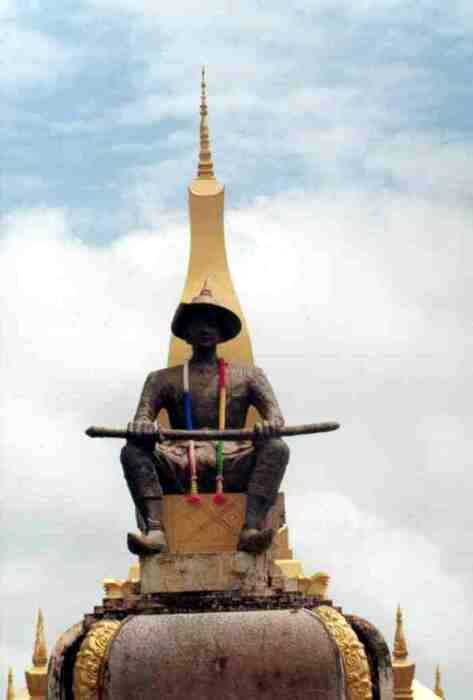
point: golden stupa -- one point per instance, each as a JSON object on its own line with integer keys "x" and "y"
{"x": 208, "y": 259}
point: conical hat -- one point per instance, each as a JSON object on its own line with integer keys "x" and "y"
{"x": 228, "y": 321}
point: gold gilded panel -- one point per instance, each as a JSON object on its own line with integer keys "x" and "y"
{"x": 90, "y": 660}
{"x": 355, "y": 662}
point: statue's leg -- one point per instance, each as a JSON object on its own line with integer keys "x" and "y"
{"x": 142, "y": 468}
{"x": 270, "y": 459}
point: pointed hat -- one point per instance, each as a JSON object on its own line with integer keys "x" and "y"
{"x": 228, "y": 321}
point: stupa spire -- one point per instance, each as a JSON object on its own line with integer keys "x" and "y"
{"x": 37, "y": 676}
{"x": 400, "y": 646}
{"x": 40, "y": 654}
{"x": 205, "y": 168}
{"x": 403, "y": 667}
{"x": 208, "y": 257}
{"x": 438, "y": 684}
{"x": 10, "y": 689}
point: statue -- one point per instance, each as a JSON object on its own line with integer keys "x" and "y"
{"x": 154, "y": 467}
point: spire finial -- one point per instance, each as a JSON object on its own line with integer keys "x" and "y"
{"x": 10, "y": 688}
{"x": 438, "y": 684}
{"x": 400, "y": 646}
{"x": 40, "y": 654}
{"x": 206, "y": 167}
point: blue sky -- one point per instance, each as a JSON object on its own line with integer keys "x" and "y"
{"x": 342, "y": 133}
{"x": 102, "y": 98}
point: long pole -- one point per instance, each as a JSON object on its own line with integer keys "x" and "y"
{"x": 227, "y": 434}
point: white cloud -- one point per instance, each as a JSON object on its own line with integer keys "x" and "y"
{"x": 426, "y": 163}
{"x": 383, "y": 566}
{"x": 33, "y": 57}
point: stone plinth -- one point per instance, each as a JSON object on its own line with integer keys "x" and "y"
{"x": 209, "y": 528}
{"x": 224, "y": 571}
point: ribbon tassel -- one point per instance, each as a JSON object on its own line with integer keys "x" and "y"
{"x": 219, "y": 497}
{"x": 193, "y": 496}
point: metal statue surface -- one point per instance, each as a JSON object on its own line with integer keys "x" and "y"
{"x": 154, "y": 466}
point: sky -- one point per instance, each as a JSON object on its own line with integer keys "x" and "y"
{"x": 342, "y": 133}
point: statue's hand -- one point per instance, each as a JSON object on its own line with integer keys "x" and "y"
{"x": 266, "y": 429}
{"x": 145, "y": 431}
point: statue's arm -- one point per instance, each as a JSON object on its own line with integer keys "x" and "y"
{"x": 263, "y": 398}
{"x": 151, "y": 399}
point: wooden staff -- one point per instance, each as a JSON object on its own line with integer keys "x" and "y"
{"x": 202, "y": 435}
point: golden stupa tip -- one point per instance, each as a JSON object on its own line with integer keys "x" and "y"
{"x": 400, "y": 646}
{"x": 438, "y": 684}
{"x": 10, "y": 688}
{"x": 40, "y": 654}
{"x": 205, "y": 168}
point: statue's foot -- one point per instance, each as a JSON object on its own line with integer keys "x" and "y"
{"x": 153, "y": 543}
{"x": 255, "y": 541}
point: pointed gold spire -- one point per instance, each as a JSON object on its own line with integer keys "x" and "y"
{"x": 10, "y": 689}
{"x": 438, "y": 684}
{"x": 400, "y": 646}
{"x": 206, "y": 167}
{"x": 37, "y": 676}
{"x": 208, "y": 257}
{"x": 403, "y": 667}
{"x": 40, "y": 654}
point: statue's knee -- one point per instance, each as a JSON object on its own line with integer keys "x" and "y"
{"x": 130, "y": 456}
{"x": 279, "y": 451}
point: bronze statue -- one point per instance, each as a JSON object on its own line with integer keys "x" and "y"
{"x": 153, "y": 469}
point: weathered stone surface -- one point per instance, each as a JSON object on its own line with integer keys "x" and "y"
{"x": 379, "y": 657}
{"x": 202, "y": 601}
{"x": 61, "y": 663}
{"x": 274, "y": 654}
{"x": 226, "y": 571}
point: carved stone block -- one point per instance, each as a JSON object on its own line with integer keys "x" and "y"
{"x": 225, "y": 571}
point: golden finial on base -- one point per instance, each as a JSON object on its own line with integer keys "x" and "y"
{"x": 40, "y": 654}
{"x": 438, "y": 684}
{"x": 400, "y": 646}
{"x": 37, "y": 677}
{"x": 10, "y": 689}
{"x": 403, "y": 667}
{"x": 205, "y": 168}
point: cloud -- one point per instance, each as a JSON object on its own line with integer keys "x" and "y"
{"x": 380, "y": 566}
{"x": 344, "y": 323}
{"x": 32, "y": 56}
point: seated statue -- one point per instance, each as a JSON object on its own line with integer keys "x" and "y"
{"x": 153, "y": 469}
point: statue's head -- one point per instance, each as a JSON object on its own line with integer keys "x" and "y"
{"x": 204, "y": 321}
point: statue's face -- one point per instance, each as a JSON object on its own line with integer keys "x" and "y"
{"x": 204, "y": 329}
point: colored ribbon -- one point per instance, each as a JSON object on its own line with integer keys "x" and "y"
{"x": 219, "y": 498}
{"x": 193, "y": 497}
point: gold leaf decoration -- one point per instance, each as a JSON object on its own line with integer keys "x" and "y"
{"x": 355, "y": 662}
{"x": 90, "y": 659}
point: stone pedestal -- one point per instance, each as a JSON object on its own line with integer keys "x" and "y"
{"x": 224, "y": 571}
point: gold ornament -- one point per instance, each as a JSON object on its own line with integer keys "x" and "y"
{"x": 400, "y": 646}
{"x": 403, "y": 667}
{"x": 91, "y": 658}
{"x": 357, "y": 670}
{"x": 438, "y": 684}
{"x": 37, "y": 676}
{"x": 10, "y": 688}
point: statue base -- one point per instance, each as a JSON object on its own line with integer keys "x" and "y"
{"x": 225, "y": 571}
